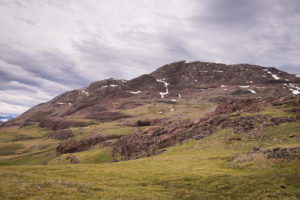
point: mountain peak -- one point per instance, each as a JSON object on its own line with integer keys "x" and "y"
{"x": 216, "y": 73}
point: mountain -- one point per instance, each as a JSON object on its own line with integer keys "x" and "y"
{"x": 200, "y": 81}
{"x": 5, "y": 118}
{"x": 193, "y": 130}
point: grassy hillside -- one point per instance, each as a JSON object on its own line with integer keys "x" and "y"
{"x": 223, "y": 165}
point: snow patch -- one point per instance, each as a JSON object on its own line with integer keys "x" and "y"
{"x": 69, "y": 104}
{"x": 293, "y": 88}
{"x": 223, "y": 86}
{"x": 137, "y": 92}
{"x": 298, "y": 75}
{"x": 244, "y": 86}
{"x": 85, "y": 92}
{"x": 162, "y": 94}
{"x": 60, "y": 103}
{"x": 179, "y": 96}
{"x": 252, "y": 91}
{"x": 4, "y": 120}
{"x": 106, "y": 86}
{"x": 174, "y": 100}
{"x": 273, "y": 75}
{"x": 218, "y": 71}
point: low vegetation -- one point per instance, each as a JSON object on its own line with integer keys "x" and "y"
{"x": 223, "y": 165}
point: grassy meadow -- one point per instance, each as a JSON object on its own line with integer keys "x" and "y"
{"x": 195, "y": 169}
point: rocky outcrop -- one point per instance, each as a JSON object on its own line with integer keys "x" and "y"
{"x": 276, "y": 153}
{"x": 282, "y": 153}
{"x": 153, "y": 140}
{"x": 61, "y": 134}
{"x": 72, "y": 146}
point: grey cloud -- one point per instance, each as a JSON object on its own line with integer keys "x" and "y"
{"x": 26, "y": 21}
{"x": 291, "y": 69}
{"x": 109, "y": 61}
{"x": 90, "y": 42}
{"x": 53, "y": 66}
{"x": 232, "y": 13}
{"x": 14, "y": 85}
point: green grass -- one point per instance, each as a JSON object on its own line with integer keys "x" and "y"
{"x": 160, "y": 110}
{"x": 9, "y": 149}
{"x": 108, "y": 128}
{"x": 12, "y": 134}
{"x": 95, "y": 156}
{"x": 192, "y": 170}
{"x": 195, "y": 169}
{"x": 188, "y": 171}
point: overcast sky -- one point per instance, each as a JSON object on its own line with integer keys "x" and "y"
{"x": 51, "y": 46}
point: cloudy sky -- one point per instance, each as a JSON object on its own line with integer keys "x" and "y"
{"x": 51, "y": 46}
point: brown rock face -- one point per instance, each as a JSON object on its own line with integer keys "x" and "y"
{"x": 153, "y": 140}
{"x": 61, "y": 134}
{"x": 102, "y": 100}
{"x": 73, "y": 146}
{"x": 185, "y": 74}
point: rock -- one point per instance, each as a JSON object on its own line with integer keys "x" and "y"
{"x": 235, "y": 138}
{"x": 283, "y": 153}
{"x": 276, "y": 149}
{"x": 291, "y": 136}
{"x": 74, "y": 160}
{"x": 143, "y": 123}
{"x": 255, "y": 149}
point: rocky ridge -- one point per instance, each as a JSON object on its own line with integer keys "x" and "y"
{"x": 170, "y": 82}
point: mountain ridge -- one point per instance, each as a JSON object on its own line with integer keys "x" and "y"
{"x": 171, "y": 81}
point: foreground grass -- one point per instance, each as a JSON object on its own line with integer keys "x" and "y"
{"x": 192, "y": 170}
{"x": 202, "y": 169}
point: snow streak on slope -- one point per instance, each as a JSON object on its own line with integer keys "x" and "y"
{"x": 252, "y": 91}
{"x": 137, "y": 92}
{"x": 162, "y": 94}
{"x": 293, "y": 88}
{"x": 273, "y": 75}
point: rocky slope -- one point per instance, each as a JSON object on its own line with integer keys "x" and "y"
{"x": 102, "y": 100}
